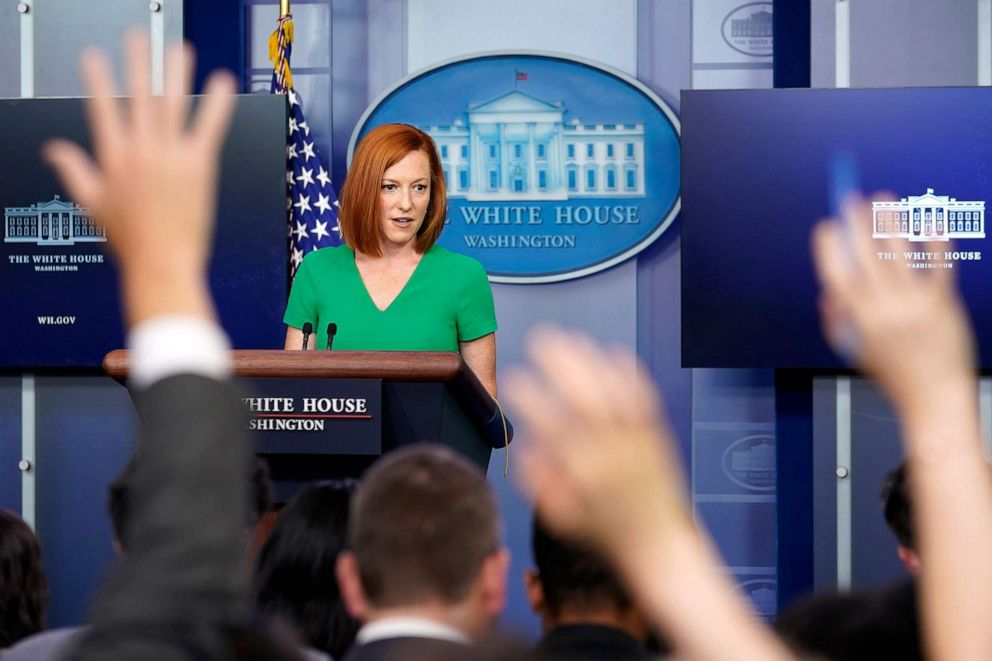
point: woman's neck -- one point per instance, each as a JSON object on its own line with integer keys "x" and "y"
{"x": 393, "y": 254}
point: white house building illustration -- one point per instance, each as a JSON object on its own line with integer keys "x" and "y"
{"x": 760, "y": 457}
{"x": 758, "y": 24}
{"x": 519, "y": 147}
{"x": 763, "y": 596}
{"x": 928, "y": 217}
{"x": 56, "y": 222}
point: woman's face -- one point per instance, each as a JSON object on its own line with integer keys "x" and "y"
{"x": 404, "y": 196}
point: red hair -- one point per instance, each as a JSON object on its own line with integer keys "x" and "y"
{"x": 380, "y": 149}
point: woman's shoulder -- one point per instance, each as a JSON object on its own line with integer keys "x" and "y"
{"x": 327, "y": 258}
{"x": 454, "y": 262}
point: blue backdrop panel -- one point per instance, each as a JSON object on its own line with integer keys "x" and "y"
{"x": 761, "y": 589}
{"x": 876, "y": 448}
{"x": 740, "y": 530}
{"x": 57, "y": 286}
{"x": 792, "y": 33}
{"x": 85, "y": 432}
{"x": 756, "y": 167}
{"x": 735, "y": 460}
{"x": 796, "y": 508}
{"x": 10, "y": 442}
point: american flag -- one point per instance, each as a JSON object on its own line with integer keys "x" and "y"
{"x": 311, "y": 201}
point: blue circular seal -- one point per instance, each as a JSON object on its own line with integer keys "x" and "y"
{"x": 555, "y": 167}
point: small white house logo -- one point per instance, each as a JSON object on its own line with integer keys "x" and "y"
{"x": 57, "y": 222}
{"x": 749, "y": 462}
{"x": 519, "y": 147}
{"x": 763, "y": 594}
{"x": 928, "y": 217}
{"x": 748, "y": 29}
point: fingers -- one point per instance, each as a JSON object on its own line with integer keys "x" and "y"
{"x": 843, "y": 285}
{"x": 834, "y": 270}
{"x": 940, "y": 277}
{"x": 591, "y": 382}
{"x": 629, "y": 378}
{"x": 576, "y": 382}
{"x": 214, "y": 114}
{"x": 537, "y": 472}
{"x": 845, "y": 252}
{"x": 77, "y": 171}
{"x": 566, "y": 362}
{"x": 855, "y": 215}
{"x": 105, "y": 114}
{"x": 138, "y": 68}
{"x": 539, "y": 469}
{"x": 555, "y": 501}
{"x": 102, "y": 109}
{"x": 860, "y": 248}
{"x": 538, "y": 406}
{"x": 179, "y": 66}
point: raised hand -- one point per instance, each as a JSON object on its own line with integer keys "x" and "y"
{"x": 599, "y": 459}
{"x": 152, "y": 180}
{"x": 914, "y": 337}
{"x": 911, "y": 330}
{"x": 600, "y": 464}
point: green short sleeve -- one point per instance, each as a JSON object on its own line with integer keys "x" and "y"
{"x": 302, "y": 305}
{"x": 476, "y": 311}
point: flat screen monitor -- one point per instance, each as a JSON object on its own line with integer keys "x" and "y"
{"x": 58, "y": 287}
{"x": 757, "y": 172}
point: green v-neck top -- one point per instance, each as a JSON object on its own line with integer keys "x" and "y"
{"x": 447, "y": 300}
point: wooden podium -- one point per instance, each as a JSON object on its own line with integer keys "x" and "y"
{"x": 336, "y": 411}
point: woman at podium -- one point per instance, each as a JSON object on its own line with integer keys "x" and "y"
{"x": 390, "y": 287}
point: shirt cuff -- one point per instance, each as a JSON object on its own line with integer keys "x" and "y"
{"x": 170, "y": 345}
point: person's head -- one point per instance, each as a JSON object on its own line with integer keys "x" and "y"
{"x": 119, "y": 500}
{"x": 573, "y": 584}
{"x": 23, "y": 586}
{"x": 898, "y": 507}
{"x": 855, "y": 626}
{"x": 394, "y": 192}
{"x": 425, "y": 539}
{"x": 296, "y": 577}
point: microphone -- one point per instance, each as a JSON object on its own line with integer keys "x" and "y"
{"x": 307, "y": 329}
{"x": 332, "y": 329}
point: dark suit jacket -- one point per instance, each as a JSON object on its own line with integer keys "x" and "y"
{"x": 182, "y": 586}
{"x": 408, "y": 649}
{"x": 590, "y": 642}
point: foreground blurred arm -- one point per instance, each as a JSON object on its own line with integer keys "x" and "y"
{"x": 600, "y": 465}
{"x": 152, "y": 186}
{"x": 914, "y": 338}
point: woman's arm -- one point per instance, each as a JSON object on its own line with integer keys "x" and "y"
{"x": 480, "y": 355}
{"x": 294, "y": 340}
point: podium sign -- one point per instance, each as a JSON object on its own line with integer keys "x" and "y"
{"x": 319, "y": 415}
{"x": 316, "y": 416}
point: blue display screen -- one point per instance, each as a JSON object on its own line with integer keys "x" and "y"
{"x": 760, "y": 167}
{"x": 58, "y": 286}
